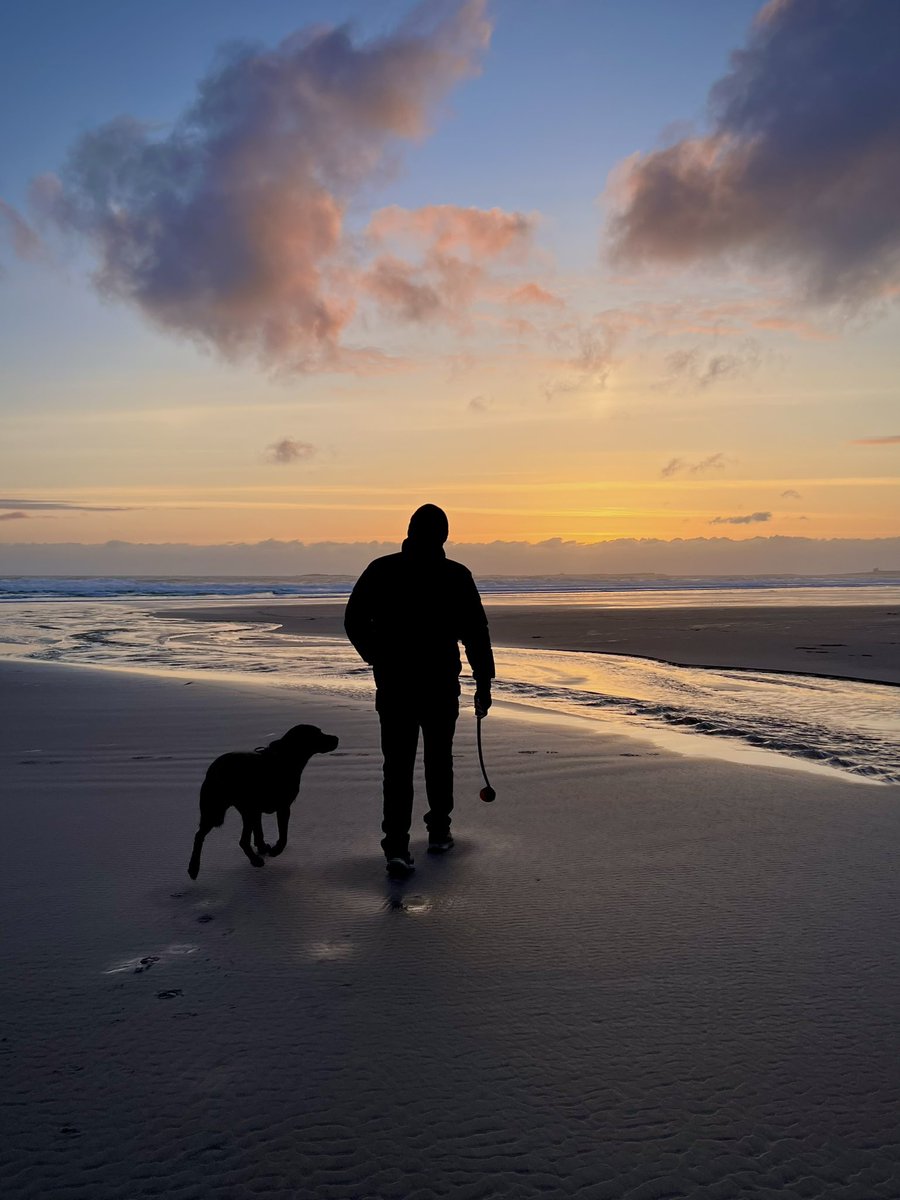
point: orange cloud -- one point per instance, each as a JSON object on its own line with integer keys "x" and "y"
{"x": 449, "y": 228}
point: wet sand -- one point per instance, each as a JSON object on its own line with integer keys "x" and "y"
{"x": 638, "y": 975}
{"x": 859, "y": 642}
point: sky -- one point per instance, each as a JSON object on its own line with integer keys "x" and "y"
{"x": 582, "y": 272}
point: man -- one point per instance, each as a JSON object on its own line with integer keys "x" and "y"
{"x": 406, "y": 616}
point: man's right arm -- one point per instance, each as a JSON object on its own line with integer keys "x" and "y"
{"x": 358, "y": 617}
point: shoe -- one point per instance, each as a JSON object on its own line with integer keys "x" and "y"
{"x": 440, "y": 844}
{"x": 400, "y": 866}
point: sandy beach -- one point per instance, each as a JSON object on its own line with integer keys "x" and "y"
{"x": 853, "y": 642}
{"x": 639, "y": 975}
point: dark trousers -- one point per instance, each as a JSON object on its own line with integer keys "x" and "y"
{"x": 400, "y": 725}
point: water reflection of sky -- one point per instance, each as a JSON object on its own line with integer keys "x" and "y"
{"x": 831, "y": 722}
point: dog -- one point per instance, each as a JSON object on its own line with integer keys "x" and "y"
{"x": 265, "y": 780}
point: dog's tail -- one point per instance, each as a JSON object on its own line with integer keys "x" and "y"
{"x": 212, "y": 805}
{"x": 212, "y": 813}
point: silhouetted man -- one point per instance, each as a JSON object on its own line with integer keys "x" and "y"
{"x": 406, "y": 616}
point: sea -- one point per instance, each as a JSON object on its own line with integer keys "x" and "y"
{"x": 806, "y": 721}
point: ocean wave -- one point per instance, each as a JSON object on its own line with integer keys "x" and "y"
{"x": 96, "y": 588}
{"x": 339, "y": 586}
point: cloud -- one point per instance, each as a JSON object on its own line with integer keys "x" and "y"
{"x": 287, "y": 451}
{"x": 520, "y": 328}
{"x": 533, "y": 293}
{"x": 728, "y": 318}
{"x": 891, "y": 439}
{"x": 452, "y": 247}
{"x": 801, "y": 167}
{"x": 14, "y": 516}
{"x": 715, "y": 555}
{"x": 230, "y": 229}
{"x": 715, "y": 462}
{"x": 478, "y": 404}
{"x": 61, "y": 506}
{"x": 698, "y": 368}
{"x": 449, "y": 228}
{"x": 746, "y": 519}
{"x": 25, "y": 241}
{"x": 790, "y": 494}
{"x": 586, "y": 353}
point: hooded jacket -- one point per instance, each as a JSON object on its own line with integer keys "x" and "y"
{"x": 407, "y": 615}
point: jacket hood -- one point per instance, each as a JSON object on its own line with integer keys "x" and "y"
{"x": 422, "y": 550}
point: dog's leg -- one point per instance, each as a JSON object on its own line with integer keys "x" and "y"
{"x": 244, "y": 843}
{"x": 259, "y": 840}
{"x": 194, "y": 864}
{"x": 284, "y": 816}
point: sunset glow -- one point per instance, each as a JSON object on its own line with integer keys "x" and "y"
{"x": 298, "y": 314}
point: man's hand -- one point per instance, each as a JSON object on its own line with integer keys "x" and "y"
{"x": 482, "y": 699}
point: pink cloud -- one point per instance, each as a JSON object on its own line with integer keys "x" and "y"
{"x": 533, "y": 293}
{"x": 451, "y": 251}
{"x": 229, "y": 230}
{"x": 448, "y": 228}
{"x": 520, "y": 326}
{"x": 25, "y": 241}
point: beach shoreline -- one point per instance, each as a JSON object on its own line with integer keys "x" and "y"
{"x": 860, "y": 642}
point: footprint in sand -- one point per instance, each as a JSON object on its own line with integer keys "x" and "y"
{"x": 138, "y": 965}
{"x": 169, "y": 994}
{"x": 205, "y": 919}
{"x": 408, "y": 904}
{"x": 146, "y": 963}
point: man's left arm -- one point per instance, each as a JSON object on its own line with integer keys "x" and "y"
{"x": 476, "y": 638}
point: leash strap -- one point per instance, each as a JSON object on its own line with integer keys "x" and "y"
{"x": 480, "y": 752}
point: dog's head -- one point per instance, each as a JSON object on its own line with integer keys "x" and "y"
{"x": 303, "y": 741}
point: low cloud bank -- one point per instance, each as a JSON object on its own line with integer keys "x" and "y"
{"x": 689, "y": 556}
{"x": 59, "y": 506}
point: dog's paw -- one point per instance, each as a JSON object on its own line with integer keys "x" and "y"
{"x": 257, "y": 861}
{"x": 263, "y": 848}
{"x": 193, "y": 870}
{"x": 275, "y": 850}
